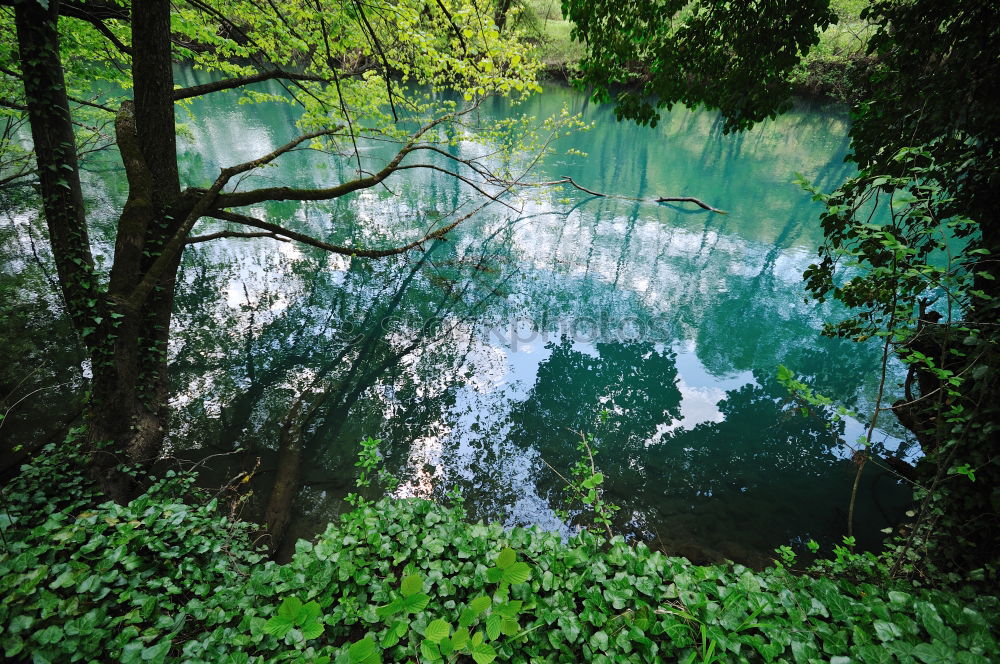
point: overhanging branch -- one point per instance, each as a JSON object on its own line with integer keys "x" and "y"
{"x": 239, "y": 81}
{"x": 361, "y": 252}
{"x": 237, "y": 234}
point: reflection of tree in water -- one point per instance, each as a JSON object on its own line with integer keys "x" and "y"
{"x": 370, "y": 354}
{"x": 745, "y": 484}
{"x": 635, "y": 382}
{"x": 40, "y": 376}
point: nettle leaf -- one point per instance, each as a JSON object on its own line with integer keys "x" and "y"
{"x": 493, "y": 626}
{"x": 483, "y": 653}
{"x": 415, "y": 603}
{"x": 392, "y": 608}
{"x": 480, "y": 604}
{"x": 430, "y": 650}
{"x": 437, "y": 630}
{"x": 363, "y": 652}
{"x": 277, "y": 626}
{"x": 460, "y": 638}
{"x": 506, "y": 558}
{"x": 411, "y": 585}
{"x": 517, "y": 573}
{"x": 510, "y": 609}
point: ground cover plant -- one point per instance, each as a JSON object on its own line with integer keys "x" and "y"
{"x": 168, "y": 578}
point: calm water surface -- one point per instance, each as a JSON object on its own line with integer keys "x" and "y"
{"x": 478, "y": 360}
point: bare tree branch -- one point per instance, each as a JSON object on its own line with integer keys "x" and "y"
{"x": 224, "y": 234}
{"x": 254, "y": 196}
{"x": 662, "y": 199}
{"x": 338, "y": 249}
{"x": 239, "y": 81}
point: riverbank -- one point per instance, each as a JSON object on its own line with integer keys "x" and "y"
{"x": 170, "y": 578}
{"x": 831, "y": 71}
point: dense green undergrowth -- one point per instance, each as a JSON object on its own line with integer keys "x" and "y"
{"x": 168, "y": 578}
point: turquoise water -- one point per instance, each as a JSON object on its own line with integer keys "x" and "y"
{"x": 478, "y": 360}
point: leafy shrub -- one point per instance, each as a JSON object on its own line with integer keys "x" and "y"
{"x": 165, "y": 578}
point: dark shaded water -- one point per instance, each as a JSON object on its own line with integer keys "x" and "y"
{"x": 476, "y": 360}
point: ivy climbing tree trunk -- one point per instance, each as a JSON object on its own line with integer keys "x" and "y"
{"x": 127, "y": 340}
{"x": 128, "y": 414}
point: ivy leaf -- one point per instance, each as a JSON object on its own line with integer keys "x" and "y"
{"x": 934, "y": 652}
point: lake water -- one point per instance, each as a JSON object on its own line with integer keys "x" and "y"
{"x": 478, "y": 360}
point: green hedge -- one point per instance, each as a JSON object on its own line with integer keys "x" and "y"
{"x": 166, "y": 578}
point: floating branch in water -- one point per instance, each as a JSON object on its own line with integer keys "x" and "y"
{"x": 565, "y": 179}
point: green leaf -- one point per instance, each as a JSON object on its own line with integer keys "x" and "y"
{"x": 887, "y": 631}
{"x": 460, "y": 638}
{"x": 506, "y": 558}
{"x": 493, "y": 626}
{"x": 430, "y": 650}
{"x": 934, "y": 652}
{"x": 361, "y": 651}
{"x": 599, "y": 641}
{"x": 467, "y": 617}
{"x": 393, "y": 607}
{"x": 309, "y": 612}
{"x": 415, "y": 603}
{"x": 510, "y": 627}
{"x": 277, "y": 626}
{"x": 517, "y": 573}
{"x": 156, "y": 653}
{"x": 480, "y": 604}
{"x": 510, "y": 609}
{"x": 437, "y": 630}
{"x": 483, "y": 653}
{"x": 290, "y": 608}
{"x": 312, "y": 630}
{"x": 411, "y": 585}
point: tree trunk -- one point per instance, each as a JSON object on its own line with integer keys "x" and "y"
{"x": 127, "y": 411}
{"x": 131, "y": 388}
{"x": 55, "y": 152}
